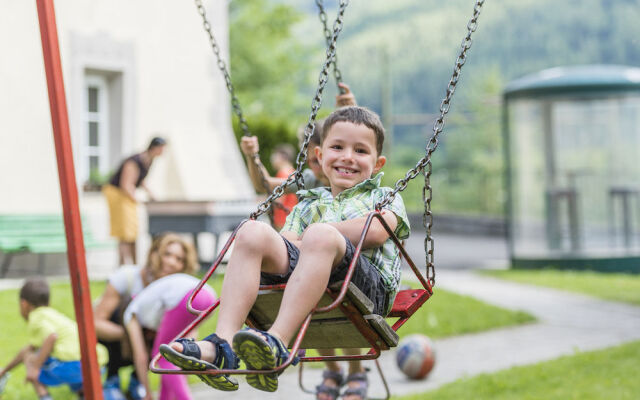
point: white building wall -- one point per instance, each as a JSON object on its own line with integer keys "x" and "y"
{"x": 159, "y": 58}
{"x": 158, "y": 62}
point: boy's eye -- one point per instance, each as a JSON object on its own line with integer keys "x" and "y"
{"x": 363, "y": 151}
{"x": 336, "y": 146}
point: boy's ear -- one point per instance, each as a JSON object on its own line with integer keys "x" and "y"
{"x": 318, "y": 151}
{"x": 379, "y": 164}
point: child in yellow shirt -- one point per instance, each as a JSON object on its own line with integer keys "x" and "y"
{"x": 52, "y": 356}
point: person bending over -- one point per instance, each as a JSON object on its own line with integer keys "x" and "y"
{"x": 52, "y": 356}
{"x": 169, "y": 254}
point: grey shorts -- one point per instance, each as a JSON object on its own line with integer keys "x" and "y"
{"x": 365, "y": 276}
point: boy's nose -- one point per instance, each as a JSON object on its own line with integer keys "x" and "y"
{"x": 347, "y": 154}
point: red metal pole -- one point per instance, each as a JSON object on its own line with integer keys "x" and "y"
{"x": 69, "y": 193}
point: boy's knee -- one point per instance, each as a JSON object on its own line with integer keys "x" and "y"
{"x": 252, "y": 233}
{"x": 322, "y": 236}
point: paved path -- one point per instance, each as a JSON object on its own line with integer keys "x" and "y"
{"x": 566, "y": 323}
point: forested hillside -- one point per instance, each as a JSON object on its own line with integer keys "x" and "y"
{"x": 421, "y": 39}
{"x": 515, "y": 37}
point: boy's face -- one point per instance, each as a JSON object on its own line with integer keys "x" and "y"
{"x": 348, "y": 155}
{"x": 25, "y": 307}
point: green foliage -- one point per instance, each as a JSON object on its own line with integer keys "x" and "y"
{"x": 604, "y": 374}
{"x": 616, "y": 287}
{"x": 422, "y": 39}
{"x": 469, "y": 172}
{"x": 468, "y": 163}
{"x": 269, "y": 65}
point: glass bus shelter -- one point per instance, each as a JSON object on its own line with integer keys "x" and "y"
{"x": 572, "y": 146}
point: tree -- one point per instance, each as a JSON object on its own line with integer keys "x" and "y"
{"x": 269, "y": 65}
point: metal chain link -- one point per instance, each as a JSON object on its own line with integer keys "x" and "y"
{"x": 310, "y": 127}
{"x": 327, "y": 34}
{"x": 235, "y": 103}
{"x": 424, "y": 165}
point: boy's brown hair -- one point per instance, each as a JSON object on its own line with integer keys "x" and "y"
{"x": 315, "y": 138}
{"x": 35, "y": 291}
{"x": 359, "y": 116}
{"x": 285, "y": 150}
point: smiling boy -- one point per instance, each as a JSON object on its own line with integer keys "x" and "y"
{"x": 314, "y": 249}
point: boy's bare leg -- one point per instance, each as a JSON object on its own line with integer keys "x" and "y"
{"x": 354, "y": 368}
{"x": 331, "y": 366}
{"x": 32, "y": 373}
{"x": 322, "y": 247}
{"x": 258, "y": 247}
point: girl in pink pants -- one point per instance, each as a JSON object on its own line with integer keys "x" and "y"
{"x": 162, "y": 306}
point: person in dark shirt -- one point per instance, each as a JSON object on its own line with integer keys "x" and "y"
{"x": 121, "y": 197}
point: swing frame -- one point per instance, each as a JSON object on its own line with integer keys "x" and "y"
{"x": 407, "y": 302}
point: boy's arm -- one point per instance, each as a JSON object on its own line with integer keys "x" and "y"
{"x": 17, "y": 360}
{"x": 377, "y": 235}
{"x": 140, "y": 355}
{"x": 249, "y": 146}
{"x": 346, "y": 98}
{"x": 45, "y": 350}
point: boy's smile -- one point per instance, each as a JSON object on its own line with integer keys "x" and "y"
{"x": 348, "y": 155}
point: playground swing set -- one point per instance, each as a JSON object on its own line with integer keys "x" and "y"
{"x": 343, "y": 317}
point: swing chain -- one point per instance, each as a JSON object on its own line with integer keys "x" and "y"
{"x": 327, "y": 34}
{"x": 424, "y": 165}
{"x": 223, "y": 67}
{"x": 310, "y": 127}
{"x": 235, "y": 103}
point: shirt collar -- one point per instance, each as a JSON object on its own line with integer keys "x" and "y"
{"x": 366, "y": 185}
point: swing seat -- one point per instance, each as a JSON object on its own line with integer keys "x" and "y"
{"x": 342, "y": 319}
{"x": 350, "y": 325}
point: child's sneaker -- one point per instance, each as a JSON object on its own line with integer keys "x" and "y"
{"x": 190, "y": 359}
{"x": 3, "y": 381}
{"x": 261, "y": 351}
{"x": 136, "y": 390}
{"x": 111, "y": 389}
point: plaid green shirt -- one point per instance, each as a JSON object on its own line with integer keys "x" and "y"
{"x": 319, "y": 205}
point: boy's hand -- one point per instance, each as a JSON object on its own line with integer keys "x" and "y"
{"x": 347, "y": 98}
{"x": 249, "y": 145}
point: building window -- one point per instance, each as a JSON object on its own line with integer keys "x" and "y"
{"x": 94, "y": 152}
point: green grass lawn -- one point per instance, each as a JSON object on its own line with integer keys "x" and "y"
{"x": 445, "y": 314}
{"x": 606, "y": 374}
{"x": 448, "y": 314}
{"x": 616, "y": 287}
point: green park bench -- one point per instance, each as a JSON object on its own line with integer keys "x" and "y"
{"x": 37, "y": 234}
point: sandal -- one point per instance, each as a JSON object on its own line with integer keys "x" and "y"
{"x": 189, "y": 360}
{"x": 333, "y": 392}
{"x": 360, "y": 390}
{"x": 261, "y": 351}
